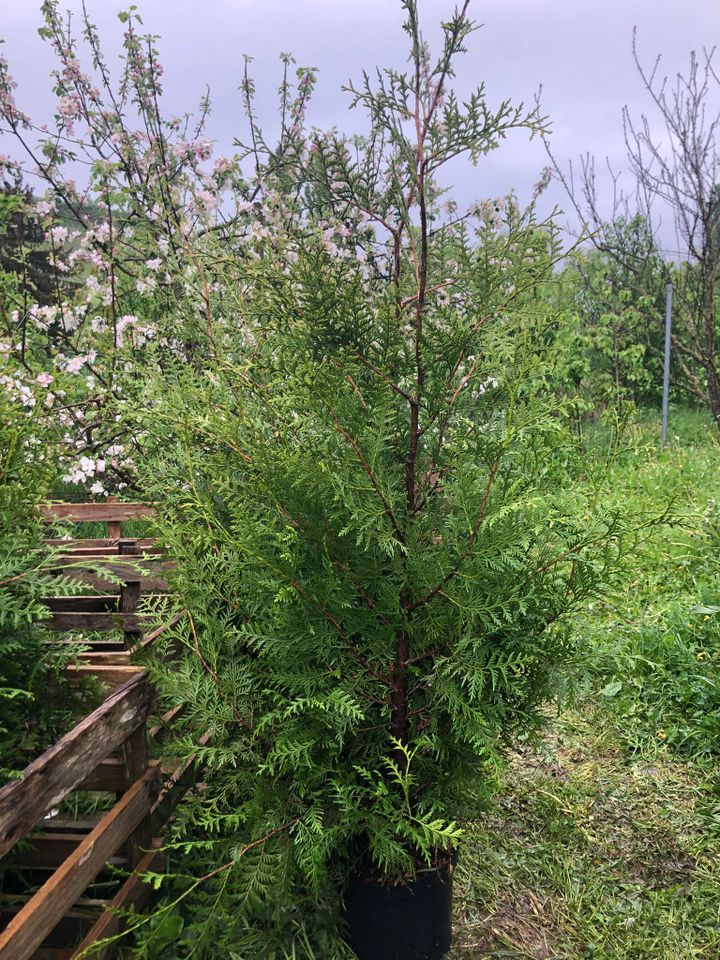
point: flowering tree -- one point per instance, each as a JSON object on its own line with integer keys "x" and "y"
{"x": 126, "y": 248}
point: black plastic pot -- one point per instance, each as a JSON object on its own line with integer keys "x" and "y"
{"x": 411, "y": 922}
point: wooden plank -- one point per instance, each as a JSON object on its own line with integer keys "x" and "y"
{"x": 116, "y": 564}
{"x": 91, "y": 622}
{"x": 114, "y": 527}
{"x": 48, "y": 780}
{"x": 148, "y": 584}
{"x": 27, "y": 930}
{"x": 56, "y": 825}
{"x": 133, "y": 893}
{"x": 85, "y": 908}
{"x": 107, "y": 658}
{"x": 82, "y": 604}
{"x": 107, "y": 775}
{"x": 91, "y": 512}
{"x": 135, "y": 763}
{"x": 129, "y": 603}
{"x": 49, "y": 852}
{"x": 105, "y": 547}
{"x": 110, "y": 675}
{"x": 78, "y": 543}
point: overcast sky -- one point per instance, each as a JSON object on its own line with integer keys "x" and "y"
{"x": 578, "y": 50}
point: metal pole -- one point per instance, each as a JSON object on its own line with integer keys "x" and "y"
{"x": 666, "y": 369}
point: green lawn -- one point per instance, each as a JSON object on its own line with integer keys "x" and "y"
{"x": 605, "y": 842}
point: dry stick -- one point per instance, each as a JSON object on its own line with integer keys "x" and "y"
{"x": 468, "y": 546}
{"x": 437, "y": 286}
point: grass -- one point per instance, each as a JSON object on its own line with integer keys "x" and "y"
{"x": 603, "y": 842}
{"x": 590, "y": 853}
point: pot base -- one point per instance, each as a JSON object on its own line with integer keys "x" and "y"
{"x": 411, "y": 922}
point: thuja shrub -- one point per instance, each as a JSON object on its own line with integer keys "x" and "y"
{"x": 380, "y": 522}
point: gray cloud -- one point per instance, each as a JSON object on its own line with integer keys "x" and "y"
{"x": 578, "y": 50}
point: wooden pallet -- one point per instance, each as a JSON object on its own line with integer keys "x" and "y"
{"x": 57, "y": 915}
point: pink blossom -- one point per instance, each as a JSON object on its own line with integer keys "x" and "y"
{"x": 146, "y": 285}
{"x": 44, "y": 379}
{"x": 76, "y": 364}
{"x": 58, "y": 234}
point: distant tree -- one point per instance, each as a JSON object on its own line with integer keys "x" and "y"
{"x": 677, "y": 169}
{"x": 610, "y": 313}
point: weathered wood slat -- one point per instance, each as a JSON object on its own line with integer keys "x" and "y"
{"x": 99, "y": 554}
{"x": 47, "y": 780}
{"x": 107, "y": 775}
{"x": 135, "y": 762}
{"x": 89, "y": 622}
{"x": 78, "y": 543}
{"x": 119, "y": 657}
{"x": 148, "y": 583}
{"x": 82, "y": 604}
{"x": 56, "y": 825}
{"x": 85, "y": 908}
{"x": 47, "y": 851}
{"x": 125, "y": 566}
{"x": 89, "y": 512}
{"x": 133, "y": 893}
{"x": 96, "y": 645}
{"x": 129, "y": 603}
{"x": 27, "y": 930}
{"x": 111, "y": 675}
{"x": 71, "y": 545}
{"x": 50, "y": 851}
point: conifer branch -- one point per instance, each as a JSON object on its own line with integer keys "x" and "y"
{"x": 466, "y": 550}
{"x": 387, "y": 509}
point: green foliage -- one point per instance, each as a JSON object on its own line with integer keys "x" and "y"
{"x": 610, "y": 323}
{"x": 24, "y": 258}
